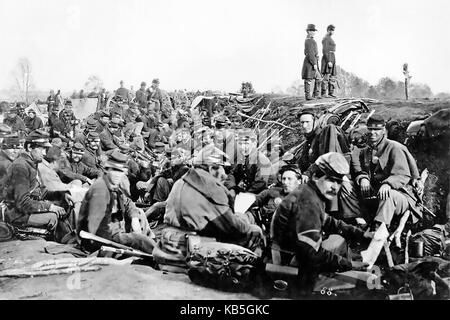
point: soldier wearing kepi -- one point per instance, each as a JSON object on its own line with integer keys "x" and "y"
{"x": 252, "y": 168}
{"x": 10, "y": 148}
{"x": 384, "y": 172}
{"x": 300, "y": 220}
{"x": 92, "y": 154}
{"x": 26, "y": 199}
{"x": 310, "y": 70}
{"x": 108, "y": 213}
{"x": 77, "y": 169}
{"x": 328, "y": 66}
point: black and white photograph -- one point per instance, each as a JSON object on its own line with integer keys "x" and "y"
{"x": 224, "y": 156}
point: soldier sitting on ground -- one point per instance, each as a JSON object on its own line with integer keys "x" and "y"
{"x": 28, "y": 201}
{"x": 108, "y": 213}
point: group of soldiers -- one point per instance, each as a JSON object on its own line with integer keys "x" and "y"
{"x": 189, "y": 179}
{"x": 324, "y": 77}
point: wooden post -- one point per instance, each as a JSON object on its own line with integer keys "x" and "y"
{"x": 407, "y": 77}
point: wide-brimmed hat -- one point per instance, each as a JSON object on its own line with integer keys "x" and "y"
{"x": 311, "y": 27}
{"x": 39, "y": 137}
{"x": 117, "y": 160}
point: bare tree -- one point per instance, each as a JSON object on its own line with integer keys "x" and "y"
{"x": 23, "y": 79}
{"x": 93, "y": 84}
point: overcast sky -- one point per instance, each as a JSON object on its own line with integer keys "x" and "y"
{"x": 209, "y": 44}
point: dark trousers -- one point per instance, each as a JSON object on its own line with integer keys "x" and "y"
{"x": 47, "y": 220}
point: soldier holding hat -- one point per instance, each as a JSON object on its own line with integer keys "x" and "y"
{"x": 381, "y": 171}
{"x": 26, "y": 199}
{"x": 32, "y": 122}
{"x": 108, "y": 213}
{"x": 310, "y": 70}
{"x": 328, "y": 66}
{"x": 300, "y": 220}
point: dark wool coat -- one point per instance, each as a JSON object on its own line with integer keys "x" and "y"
{"x": 108, "y": 141}
{"x": 396, "y": 167}
{"x": 298, "y": 224}
{"x": 199, "y": 203}
{"x": 328, "y": 51}
{"x": 95, "y": 213}
{"x": 91, "y": 159}
{"x": 33, "y": 124}
{"x": 311, "y": 59}
{"x": 255, "y": 173}
{"x": 24, "y": 193}
{"x": 16, "y": 124}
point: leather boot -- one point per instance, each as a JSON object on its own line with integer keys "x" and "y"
{"x": 308, "y": 89}
{"x": 331, "y": 90}
{"x": 324, "y": 88}
{"x": 317, "y": 89}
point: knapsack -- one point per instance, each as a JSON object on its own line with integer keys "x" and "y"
{"x": 222, "y": 266}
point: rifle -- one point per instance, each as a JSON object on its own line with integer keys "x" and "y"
{"x": 418, "y": 202}
{"x": 89, "y": 236}
{"x": 132, "y": 253}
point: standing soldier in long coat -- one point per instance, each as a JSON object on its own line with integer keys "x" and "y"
{"x": 328, "y": 67}
{"x": 310, "y": 68}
